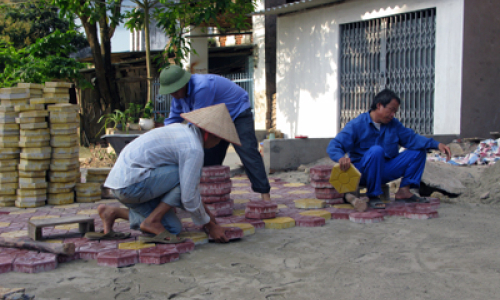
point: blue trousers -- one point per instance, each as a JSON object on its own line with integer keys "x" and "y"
{"x": 377, "y": 170}
{"x": 248, "y": 153}
{"x": 143, "y": 197}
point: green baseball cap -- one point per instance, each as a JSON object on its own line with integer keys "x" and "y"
{"x": 172, "y": 79}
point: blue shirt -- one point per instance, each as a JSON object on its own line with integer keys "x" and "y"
{"x": 207, "y": 90}
{"x": 360, "y": 134}
{"x": 176, "y": 144}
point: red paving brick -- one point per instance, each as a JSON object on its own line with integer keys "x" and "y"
{"x": 339, "y": 213}
{"x": 35, "y": 263}
{"x": 6, "y": 261}
{"x": 327, "y": 193}
{"x": 214, "y": 199}
{"x": 215, "y": 188}
{"x": 260, "y": 216}
{"x": 232, "y": 233}
{"x": 261, "y": 207}
{"x": 320, "y": 172}
{"x": 90, "y": 251}
{"x": 183, "y": 247}
{"x": 366, "y": 217}
{"x": 308, "y": 221}
{"x": 215, "y": 171}
{"x": 220, "y": 205}
{"x": 117, "y": 258}
{"x": 421, "y": 213}
{"x": 158, "y": 255}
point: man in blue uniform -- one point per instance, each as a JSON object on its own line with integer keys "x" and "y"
{"x": 191, "y": 92}
{"x": 372, "y": 143}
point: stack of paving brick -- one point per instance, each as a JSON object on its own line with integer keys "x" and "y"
{"x": 35, "y": 150}
{"x": 215, "y": 188}
{"x": 97, "y": 175}
{"x": 9, "y": 155}
{"x": 320, "y": 176}
{"x": 64, "y": 164}
{"x": 88, "y": 192}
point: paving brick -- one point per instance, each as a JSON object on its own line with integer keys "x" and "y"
{"x": 318, "y": 213}
{"x": 398, "y": 211}
{"x": 67, "y": 258}
{"x": 6, "y": 261}
{"x": 241, "y": 201}
{"x": 198, "y": 238}
{"x": 35, "y": 263}
{"x": 135, "y": 245}
{"x": 248, "y": 229}
{"x": 339, "y": 213}
{"x": 261, "y": 207}
{"x": 215, "y": 188}
{"x": 321, "y": 172}
{"x": 184, "y": 247}
{"x": 222, "y": 212}
{"x": 308, "y": 221}
{"x": 321, "y": 184}
{"x": 334, "y": 201}
{"x": 421, "y": 213}
{"x": 294, "y": 184}
{"x": 117, "y": 258}
{"x": 158, "y": 255}
{"x": 279, "y": 223}
{"x": 366, "y": 217}
{"x": 215, "y": 171}
{"x": 309, "y": 203}
{"x": 220, "y": 205}
{"x": 90, "y": 251}
{"x": 346, "y": 206}
{"x": 232, "y": 233}
{"x": 260, "y": 216}
{"x": 327, "y": 193}
{"x": 215, "y": 199}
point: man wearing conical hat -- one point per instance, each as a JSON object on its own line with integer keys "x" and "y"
{"x": 160, "y": 170}
{"x": 196, "y": 91}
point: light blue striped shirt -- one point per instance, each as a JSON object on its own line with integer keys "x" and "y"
{"x": 176, "y": 144}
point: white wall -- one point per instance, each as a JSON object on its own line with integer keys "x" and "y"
{"x": 259, "y": 34}
{"x": 307, "y": 63}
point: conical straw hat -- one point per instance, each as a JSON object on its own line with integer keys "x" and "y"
{"x": 216, "y": 120}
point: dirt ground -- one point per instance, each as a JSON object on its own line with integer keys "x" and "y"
{"x": 452, "y": 257}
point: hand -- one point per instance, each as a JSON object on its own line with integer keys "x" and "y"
{"x": 345, "y": 163}
{"x": 445, "y": 149}
{"x": 217, "y": 232}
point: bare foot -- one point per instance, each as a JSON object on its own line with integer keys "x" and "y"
{"x": 154, "y": 228}
{"x": 266, "y": 197}
{"x": 359, "y": 204}
{"x": 108, "y": 216}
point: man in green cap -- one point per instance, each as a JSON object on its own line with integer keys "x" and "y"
{"x": 191, "y": 92}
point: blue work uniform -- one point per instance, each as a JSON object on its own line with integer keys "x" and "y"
{"x": 205, "y": 90}
{"x": 375, "y": 153}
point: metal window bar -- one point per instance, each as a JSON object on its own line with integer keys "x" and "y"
{"x": 396, "y": 52}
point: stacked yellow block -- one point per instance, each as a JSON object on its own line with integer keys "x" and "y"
{"x": 64, "y": 163}
{"x": 97, "y": 175}
{"x": 9, "y": 156}
{"x": 88, "y": 192}
{"x": 35, "y": 150}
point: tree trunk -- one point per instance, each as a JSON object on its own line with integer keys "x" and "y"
{"x": 148, "y": 49}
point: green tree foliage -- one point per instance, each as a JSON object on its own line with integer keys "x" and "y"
{"x": 45, "y": 60}
{"x": 23, "y": 23}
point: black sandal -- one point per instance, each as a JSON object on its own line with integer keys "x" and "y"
{"x": 376, "y": 203}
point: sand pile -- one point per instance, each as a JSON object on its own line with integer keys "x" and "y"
{"x": 487, "y": 189}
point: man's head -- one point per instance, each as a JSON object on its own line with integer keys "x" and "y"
{"x": 173, "y": 80}
{"x": 384, "y": 106}
{"x": 215, "y": 123}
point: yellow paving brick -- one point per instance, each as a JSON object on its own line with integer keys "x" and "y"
{"x": 67, "y": 227}
{"x": 63, "y": 107}
{"x": 61, "y": 199}
{"x": 247, "y": 228}
{"x": 239, "y": 178}
{"x": 74, "y": 205}
{"x": 271, "y": 180}
{"x": 186, "y": 220}
{"x": 28, "y": 107}
{"x": 58, "y": 84}
{"x": 239, "y": 192}
{"x": 14, "y": 234}
{"x": 282, "y": 206}
{"x": 22, "y": 204}
{"x": 8, "y": 203}
{"x": 274, "y": 196}
{"x": 238, "y": 212}
{"x": 279, "y": 223}
{"x": 91, "y": 199}
{"x": 44, "y": 217}
{"x": 23, "y": 211}
{"x": 88, "y": 212}
{"x": 27, "y": 85}
{"x": 345, "y": 181}
{"x": 4, "y": 224}
{"x": 198, "y": 238}
{"x": 309, "y": 203}
{"x": 54, "y": 241}
{"x": 274, "y": 188}
{"x": 107, "y": 201}
{"x": 300, "y": 192}
{"x": 120, "y": 220}
{"x": 240, "y": 184}
{"x": 294, "y": 184}
{"x": 241, "y": 201}
{"x": 346, "y": 206}
{"x": 135, "y": 245}
{"x": 318, "y": 213}
{"x": 34, "y": 114}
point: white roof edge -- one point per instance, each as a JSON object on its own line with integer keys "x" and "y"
{"x": 293, "y": 7}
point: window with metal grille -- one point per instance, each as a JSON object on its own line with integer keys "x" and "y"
{"x": 395, "y": 52}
